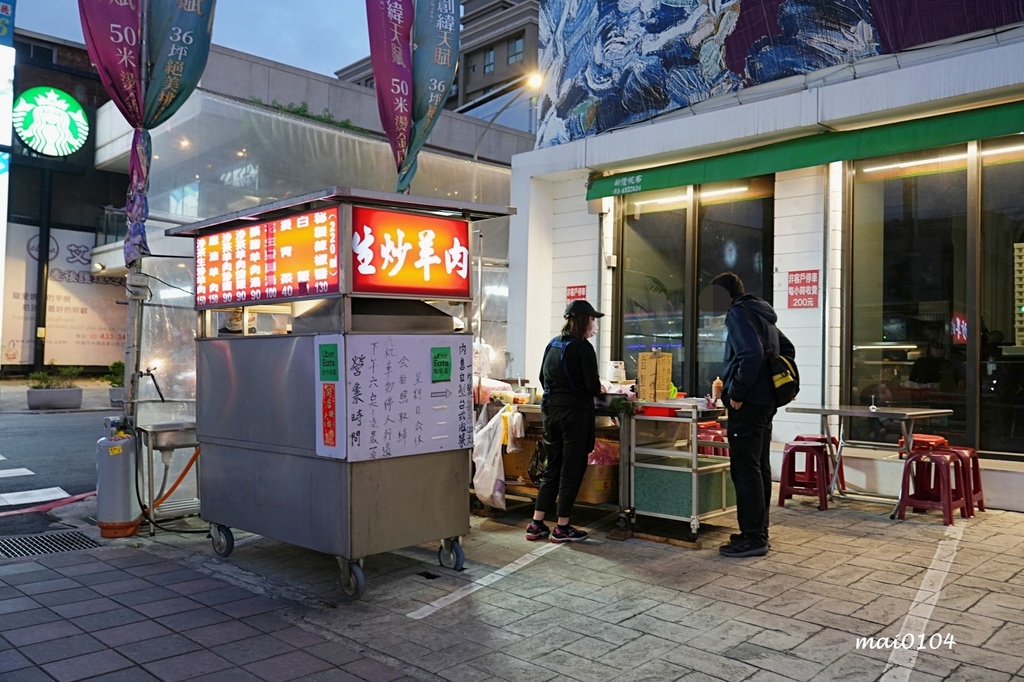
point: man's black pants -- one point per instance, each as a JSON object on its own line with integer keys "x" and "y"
{"x": 750, "y": 439}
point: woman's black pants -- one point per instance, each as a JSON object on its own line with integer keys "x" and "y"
{"x": 568, "y": 440}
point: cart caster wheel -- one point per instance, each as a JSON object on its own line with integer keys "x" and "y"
{"x": 622, "y": 523}
{"x": 223, "y": 540}
{"x": 453, "y": 558}
{"x": 353, "y": 584}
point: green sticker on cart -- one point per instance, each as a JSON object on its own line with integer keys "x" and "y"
{"x": 442, "y": 364}
{"x": 329, "y": 362}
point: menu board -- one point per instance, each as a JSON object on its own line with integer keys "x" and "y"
{"x": 407, "y": 394}
{"x": 294, "y": 257}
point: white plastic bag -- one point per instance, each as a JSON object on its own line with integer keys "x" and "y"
{"x": 489, "y": 479}
{"x": 516, "y": 431}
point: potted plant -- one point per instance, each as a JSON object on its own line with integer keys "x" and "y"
{"x": 115, "y": 377}
{"x": 54, "y": 389}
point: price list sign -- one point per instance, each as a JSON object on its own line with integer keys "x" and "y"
{"x": 294, "y": 257}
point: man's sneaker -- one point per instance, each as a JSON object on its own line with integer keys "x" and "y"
{"x": 568, "y": 534}
{"x": 537, "y": 531}
{"x": 736, "y": 537}
{"x": 744, "y": 547}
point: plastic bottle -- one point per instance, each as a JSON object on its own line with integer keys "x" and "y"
{"x": 716, "y": 388}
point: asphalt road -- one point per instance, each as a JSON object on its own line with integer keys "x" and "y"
{"x": 59, "y": 450}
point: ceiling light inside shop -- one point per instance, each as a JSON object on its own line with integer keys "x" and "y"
{"x": 720, "y": 192}
{"x": 920, "y": 162}
{"x": 184, "y": 143}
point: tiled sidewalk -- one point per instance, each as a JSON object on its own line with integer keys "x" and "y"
{"x": 127, "y": 614}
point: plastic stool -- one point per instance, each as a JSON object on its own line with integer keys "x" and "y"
{"x": 972, "y": 477}
{"x": 820, "y": 438}
{"x": 927, "y": 441}
{"x": 933, "y": 488}
{"x": 813, "y": 480}
{"x": 710, "y": 436}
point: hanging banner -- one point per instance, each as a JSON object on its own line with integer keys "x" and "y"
{"x": 390, "y": 29}
{"x": 147, "y": 92}
{"x": 434, "y": 58}
{"x": 7, "y": 23}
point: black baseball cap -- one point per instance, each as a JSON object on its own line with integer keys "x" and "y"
{"x": 581, "y": 307}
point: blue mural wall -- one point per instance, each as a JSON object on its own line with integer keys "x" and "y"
{"x": 611, "y": 63}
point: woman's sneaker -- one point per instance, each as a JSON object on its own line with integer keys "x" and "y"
{"x": 568, "y": 534}
{"x": 537, "y": 531}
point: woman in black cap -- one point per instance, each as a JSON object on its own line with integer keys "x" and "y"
{"x": 569, "y": 376}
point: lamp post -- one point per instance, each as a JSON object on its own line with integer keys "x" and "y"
{"x": 533, "y": 83}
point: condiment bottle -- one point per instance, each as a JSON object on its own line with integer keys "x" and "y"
{"x": 716, "y": 388}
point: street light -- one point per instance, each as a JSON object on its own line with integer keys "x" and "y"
{"x": 533, "y": 83}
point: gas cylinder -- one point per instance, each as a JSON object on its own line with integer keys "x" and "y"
{"x": 117, "y": 506}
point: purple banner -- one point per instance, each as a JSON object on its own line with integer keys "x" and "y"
{"x": 113, "y": 36}
{"x": 435, "y": 54}
{"x": 177, "y": 36}
{"x": 390, "y": 29}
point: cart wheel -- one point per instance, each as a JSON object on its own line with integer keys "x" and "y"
{"x": 622, "y": 523}
{"x": 223, "y": 540}
{"x": 452, "y": 558}
{"x": 353, "y": 583}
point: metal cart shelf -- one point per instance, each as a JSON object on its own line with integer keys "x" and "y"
{"x": 668, "y": 477}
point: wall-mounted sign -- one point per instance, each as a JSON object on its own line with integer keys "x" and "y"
{"x": 577, "y": 292}
{"x": 803, "y": 288}
{"x": 409, "y": 255}
{"x": 291, "y": 258}
{"x": 49, "y": 121}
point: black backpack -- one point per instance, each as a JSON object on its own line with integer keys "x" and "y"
{"x": 784, "y": 372}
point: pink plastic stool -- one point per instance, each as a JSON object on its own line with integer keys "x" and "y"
{"x": 933, "y": 486}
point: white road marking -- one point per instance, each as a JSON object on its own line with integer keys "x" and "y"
{"x": 483, "y": 582}
{"x": 31, "y": 496}
{"x": 11, "y": 473}
{"x": 901, "y": 661}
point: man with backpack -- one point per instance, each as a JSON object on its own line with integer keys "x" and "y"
{"x": 750, "y": 398}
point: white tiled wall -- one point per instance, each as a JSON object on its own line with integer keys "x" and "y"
{"x": 800, "y": 212}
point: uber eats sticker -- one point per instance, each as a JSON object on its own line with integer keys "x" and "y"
{"x": 50, "y": 121}
{"x": 329, "y": 362}
{"x": 442, "y": 364}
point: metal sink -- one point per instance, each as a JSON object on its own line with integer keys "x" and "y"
{"x": 170, "y": 435}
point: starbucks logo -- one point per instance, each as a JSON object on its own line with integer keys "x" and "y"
{"x": 50, "y": 121}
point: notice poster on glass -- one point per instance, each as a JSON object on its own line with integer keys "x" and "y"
{"x": 407, "y": 394}
{"x": 84, "y": 323}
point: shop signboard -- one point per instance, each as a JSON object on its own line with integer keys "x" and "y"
{"x": 409, "y": 255}
{"x": 802, "y": 288}
{"x": 50, "y": 121}
{"x": 405, "y": 395}
{"x": 279, "y": 260}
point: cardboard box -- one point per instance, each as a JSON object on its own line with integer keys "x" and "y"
{"x": 517, "y": 463}
{"x": 654, "y": 376}
{"x": 600, "y": 484}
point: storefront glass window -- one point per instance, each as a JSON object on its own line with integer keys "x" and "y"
{"x": 736, "y": 223}
{"x": 735, "y": 227}
{"x": 653, "y": 289}
{"x": 908, "y": 300}
{"x": 1001, "y": 377}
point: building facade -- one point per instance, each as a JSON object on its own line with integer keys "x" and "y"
{"x": 874, "y": 201}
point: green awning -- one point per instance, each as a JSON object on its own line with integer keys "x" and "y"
{"x": 820, "y": 149}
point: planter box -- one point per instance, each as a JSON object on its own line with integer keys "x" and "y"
{"x": 54, "y": 398}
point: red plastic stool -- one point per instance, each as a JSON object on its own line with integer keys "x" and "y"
{"x": 972, "y": 477}
{"x": 820, "y": 438}
{"x": 927, "y": 441}
{"x": 710, "y": 436}
{"x": 813, "y": 480}
{"x": 713, "y": 424}
{"x": 933, "y": 488}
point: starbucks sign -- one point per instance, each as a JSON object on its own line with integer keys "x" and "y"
{"x": 50, "y": 121}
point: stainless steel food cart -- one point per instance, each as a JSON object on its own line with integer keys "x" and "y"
{"x": 334, "y": 394}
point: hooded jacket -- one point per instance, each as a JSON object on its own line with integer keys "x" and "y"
{"x": 746, "y": 377}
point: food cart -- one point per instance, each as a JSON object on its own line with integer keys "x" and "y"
{"x": 334, "y": 406}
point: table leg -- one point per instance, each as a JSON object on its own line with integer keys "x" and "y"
{"x": 834, "y": 455}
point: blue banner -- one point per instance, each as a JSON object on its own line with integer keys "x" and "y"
{"x": 7, "y": 23}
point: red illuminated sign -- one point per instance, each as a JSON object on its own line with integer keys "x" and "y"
{"x": 295, "y": 257}
{"x": 409, "y": 255}
{"x": 803, "y": 288}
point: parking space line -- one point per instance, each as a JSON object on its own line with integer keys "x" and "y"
{"x": 901, "y": 661}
